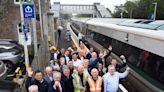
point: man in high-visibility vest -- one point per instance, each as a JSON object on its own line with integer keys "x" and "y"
{"x": 79, "y": 79}
{"x": 94, "y": 82}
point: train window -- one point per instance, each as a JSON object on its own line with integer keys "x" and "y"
{"x": 116, "y": 46}
{"x": 76, "y": 28}
{"x": 147, "y": 22}
{"x": 138, "y": 21}
{"x": 149, "y": 65}
{"x": 99, "y": 38}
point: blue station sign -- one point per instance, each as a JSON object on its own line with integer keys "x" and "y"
{"x": 28, "y": 10}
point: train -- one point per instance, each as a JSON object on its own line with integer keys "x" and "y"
{"x": 140, "y": 40}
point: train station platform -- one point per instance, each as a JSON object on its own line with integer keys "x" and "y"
{"x": 62, "y": 42}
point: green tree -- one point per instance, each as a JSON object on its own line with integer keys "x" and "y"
{"x": 142, "y": 9}
{"x": 130, "y": 7}
{"x": 85, "y": 15}
{"x": 160, "y": 9}
{"x": 118, "y": 10}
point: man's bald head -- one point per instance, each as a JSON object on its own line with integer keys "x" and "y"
{"x": 94, "y": 73}
{"x": 94, "y": 55}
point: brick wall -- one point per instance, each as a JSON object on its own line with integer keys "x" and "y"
{"x": 9, "y": 17}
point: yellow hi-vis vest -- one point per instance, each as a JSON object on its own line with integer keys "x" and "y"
{"x": 95, "y": 87}
{"x": 77, "y": 78}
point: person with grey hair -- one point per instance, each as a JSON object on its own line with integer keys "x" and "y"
{"x": 33, "y": 88}
{"x": 49, "y": 76}
{"x": 79, "y": 79}
{"x": 94, "y": 82}
{"x": 85, "y": 64}
{"x": 111, "y": 79}
{"x": 56, "y": 85}
{"x": 67, "y": 79}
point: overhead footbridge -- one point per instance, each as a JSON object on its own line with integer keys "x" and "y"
{"x": 96, "y": 9}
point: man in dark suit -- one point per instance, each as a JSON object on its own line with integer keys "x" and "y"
{"x": 90, "y": 51}
{"x": 49, "y": 76}
{"x": 67, "y": 80}
{"x": 57, "y": 85}
{"x": 38, "y": 80}
{"x": 117, "y": 65}
{"x": 61, "y": 54}
{"x": 70, "y": 66}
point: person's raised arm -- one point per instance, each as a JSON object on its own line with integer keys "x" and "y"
{"x": 28, "y": 81}
{"x": 124, "y": 61}
{"x": 124, "y": 74}
{"x": 108, "y": 54}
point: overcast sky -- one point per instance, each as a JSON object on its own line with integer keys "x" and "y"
{"x": 107, "y": 3}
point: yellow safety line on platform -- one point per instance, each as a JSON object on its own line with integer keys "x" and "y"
{"x": 75, "y": 43}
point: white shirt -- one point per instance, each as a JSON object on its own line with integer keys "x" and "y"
{"x": 55, "y": 56}
{"x": 111, "y": 82}
{"x": 77, "y": 62}
{"x": 82, "y": 59}
{"x": 67, "y": 59}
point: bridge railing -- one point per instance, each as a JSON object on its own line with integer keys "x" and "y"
{"x": 77, "y": 7}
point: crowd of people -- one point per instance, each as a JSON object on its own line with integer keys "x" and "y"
{"x": 78, "y": 70}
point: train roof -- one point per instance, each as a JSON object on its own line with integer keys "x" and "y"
{"x": 80, "y": 19}
{"x": 138, "y": 23}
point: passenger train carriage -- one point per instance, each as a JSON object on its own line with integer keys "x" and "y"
{"x": 141, "y": 41}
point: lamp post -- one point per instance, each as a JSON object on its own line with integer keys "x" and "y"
{"x": 155, "y": 10}
{"x": 131, "y": 13}
{"x": 121, "y": 14}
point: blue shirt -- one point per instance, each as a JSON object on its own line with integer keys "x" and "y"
{"x": 67, "y": 33}
{"x": 111, "y": 82}
{"x": 91, "y": 61}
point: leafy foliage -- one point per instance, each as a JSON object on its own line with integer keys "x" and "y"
{"x": 141, "y": 9}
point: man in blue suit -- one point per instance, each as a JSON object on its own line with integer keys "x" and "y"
{"x": 49, "y": 75}
{"x": 57, "y": 85}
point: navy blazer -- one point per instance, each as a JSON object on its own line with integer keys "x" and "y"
{"x": 48, "y": 79}
{"x": 42, "y": 86}
{"x": 51, "y": 88}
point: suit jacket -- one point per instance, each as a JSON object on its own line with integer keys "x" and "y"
{"x": 42, "y": 86}
{"x": 52, "y": 89}
{"x": 48, "y": 79}
{"x": 68, "y": 82}
{"x": 60, "y": 55}
{"x": 119, "y": 66}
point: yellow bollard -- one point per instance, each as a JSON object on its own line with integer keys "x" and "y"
{"x": 17, "y": 70}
